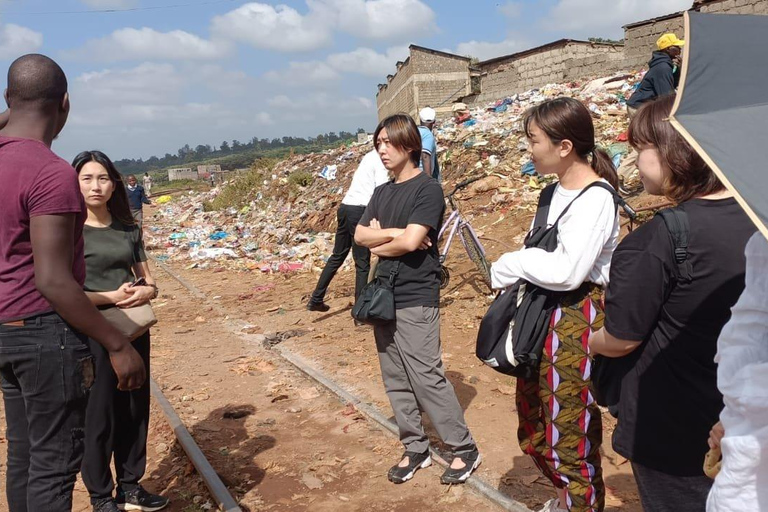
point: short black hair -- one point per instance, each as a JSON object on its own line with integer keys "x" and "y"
{"x": 35, "y": 78}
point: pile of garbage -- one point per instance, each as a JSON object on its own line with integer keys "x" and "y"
{"x": 491, "y": 138}
{"x": 279, "y": 228}
{"x": 286, "y": 222}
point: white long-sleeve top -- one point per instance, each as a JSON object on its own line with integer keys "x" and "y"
{"x": 369, "y": 174}
{"x": 742, "y": 377}
{"x": 587, "y": 236}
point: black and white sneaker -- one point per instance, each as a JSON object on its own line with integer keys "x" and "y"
{"x": 471, "y": 461}
{"x": 139, "y": 499}
{"x": 416, "y": 461}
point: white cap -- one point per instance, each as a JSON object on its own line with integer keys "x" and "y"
{"x": 427, "y": 115}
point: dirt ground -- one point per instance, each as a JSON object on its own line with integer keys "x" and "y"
{"x": 279, "y": 440}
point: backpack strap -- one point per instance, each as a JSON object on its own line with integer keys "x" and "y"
{"x": 542, "y": 210}
{"x": 676, "y": 221}
{"x": 617, "y": 199}
{"x": 599, "y": 184}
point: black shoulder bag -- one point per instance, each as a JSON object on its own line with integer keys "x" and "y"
{"x": 512, "y": 333}
{"x": 376, "y": 303}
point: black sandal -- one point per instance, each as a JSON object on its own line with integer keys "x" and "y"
{"x": 459, "y": 476}
{"x": 416, "y": 461}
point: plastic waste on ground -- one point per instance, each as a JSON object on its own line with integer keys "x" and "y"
{"x": 281, "y": 228}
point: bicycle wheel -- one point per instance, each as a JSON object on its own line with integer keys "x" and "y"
{"x": 475, "y": 253}
{"x": 445, "y": 277}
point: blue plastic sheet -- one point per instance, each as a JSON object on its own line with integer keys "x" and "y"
{"x": 528, "y": 169}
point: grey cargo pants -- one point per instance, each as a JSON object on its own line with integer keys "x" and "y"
{"x": 414, "y": 378}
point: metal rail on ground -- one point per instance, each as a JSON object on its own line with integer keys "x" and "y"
{"x": 475, "y": 482}
{"x": 217, "y": 488}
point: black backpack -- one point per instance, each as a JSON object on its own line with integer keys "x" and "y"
{"x": 512, "y": 332}
{"x": 608, "y": 372}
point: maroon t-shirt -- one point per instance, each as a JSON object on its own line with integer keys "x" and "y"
{"x": 33, "y": 181}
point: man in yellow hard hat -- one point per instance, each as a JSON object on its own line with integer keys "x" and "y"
{"x": 661, "y": 79}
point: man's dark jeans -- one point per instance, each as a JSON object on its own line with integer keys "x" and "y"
{"x": 348, "y": 217}
{"x": 46, "y": 371}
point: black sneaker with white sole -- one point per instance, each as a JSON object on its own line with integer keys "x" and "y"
{"x": 140, "y": 499}
{"x": 471, "y": 461}
{"x": 416, "y": 461}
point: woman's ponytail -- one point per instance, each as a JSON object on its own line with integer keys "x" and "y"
{"x": 603, "y": 166}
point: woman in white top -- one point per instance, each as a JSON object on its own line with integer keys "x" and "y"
{"x": 742, "y": 376}
{"x": 559, "y": 422}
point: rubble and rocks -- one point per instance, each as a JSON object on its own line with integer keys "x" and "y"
{"x": 287, "y": 221}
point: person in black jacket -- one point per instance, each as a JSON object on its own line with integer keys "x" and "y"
{"x": 661, "y": 79}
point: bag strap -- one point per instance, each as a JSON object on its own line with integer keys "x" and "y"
{"x": 676, "y": 221}
{"x": 393, "y": 273}
{"x": 542, "y": 210}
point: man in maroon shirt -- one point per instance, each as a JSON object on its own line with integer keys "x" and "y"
{"x": 46, "y": 368}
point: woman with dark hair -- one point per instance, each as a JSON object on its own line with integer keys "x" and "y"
{"x": 559, "y": 422}
{"x": 400, "y": 226}
{"x": 116, "y": 421}
{"x": 665, "y": 307}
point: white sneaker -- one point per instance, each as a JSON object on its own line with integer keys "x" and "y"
{"x": 552, "y": 505}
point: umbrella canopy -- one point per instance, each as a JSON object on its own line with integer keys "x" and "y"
{"x": 722, "y": 103}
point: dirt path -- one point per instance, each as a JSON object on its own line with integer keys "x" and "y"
{"x": 279, "y": 441}
{"x": 274, "y": 304}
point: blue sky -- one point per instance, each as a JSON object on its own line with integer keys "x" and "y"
{"x": 147, "y": 81}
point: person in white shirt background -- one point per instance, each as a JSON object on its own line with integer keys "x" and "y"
{"x": 147, "y": 184}
{"x": 742, "y": 377}
{"x": 370, "y": 174}
{"x": 559, "y": 422}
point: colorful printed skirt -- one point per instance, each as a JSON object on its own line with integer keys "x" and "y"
{"x": 560, "y": 422}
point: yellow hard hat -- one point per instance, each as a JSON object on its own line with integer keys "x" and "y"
{"x": 668, "y": 40}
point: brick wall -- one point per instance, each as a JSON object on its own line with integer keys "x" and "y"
{"x": 398, "y": 96}
{"x": 640, "y": 41}
{"x": 737, "y": 7}
{"x": 568, "y": 61}
{"x": 184, "y": 173}
{"x": 427, "y": 78}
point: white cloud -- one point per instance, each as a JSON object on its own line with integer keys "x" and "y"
{"x": 16, "y": 41}
{"x": 303, "y": 74}
{"x": 111, "y": 4}
{"x": 265, "y": 118}
{"x": 280, "y": 28}
{"x": 385, "y": 20}
{"x": 134, "y": 88}
{"x": 149, "y": 44}
{"x": 511, "y": 9}
{"x": 154, "y": 108}
{"x": 484, "y": 50}
{"x": 586, "y": 18}
{"x": 368, "y": 62}
{"x": 322, "y": 106}
{"x": 283, "y": 28}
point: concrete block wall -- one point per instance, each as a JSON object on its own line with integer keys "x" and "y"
{"x": 737, "y": 7}
{"x": 433, "y": 77}
{"x": 398, "y": 96}
{"x": 640, "y": 41}
{"x": 427, "y": 62}
{"x": 571, "y": 61}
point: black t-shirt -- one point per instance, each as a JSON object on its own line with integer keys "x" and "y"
{"x": 395, "y": 205}
{"x": 669, "y": 398}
